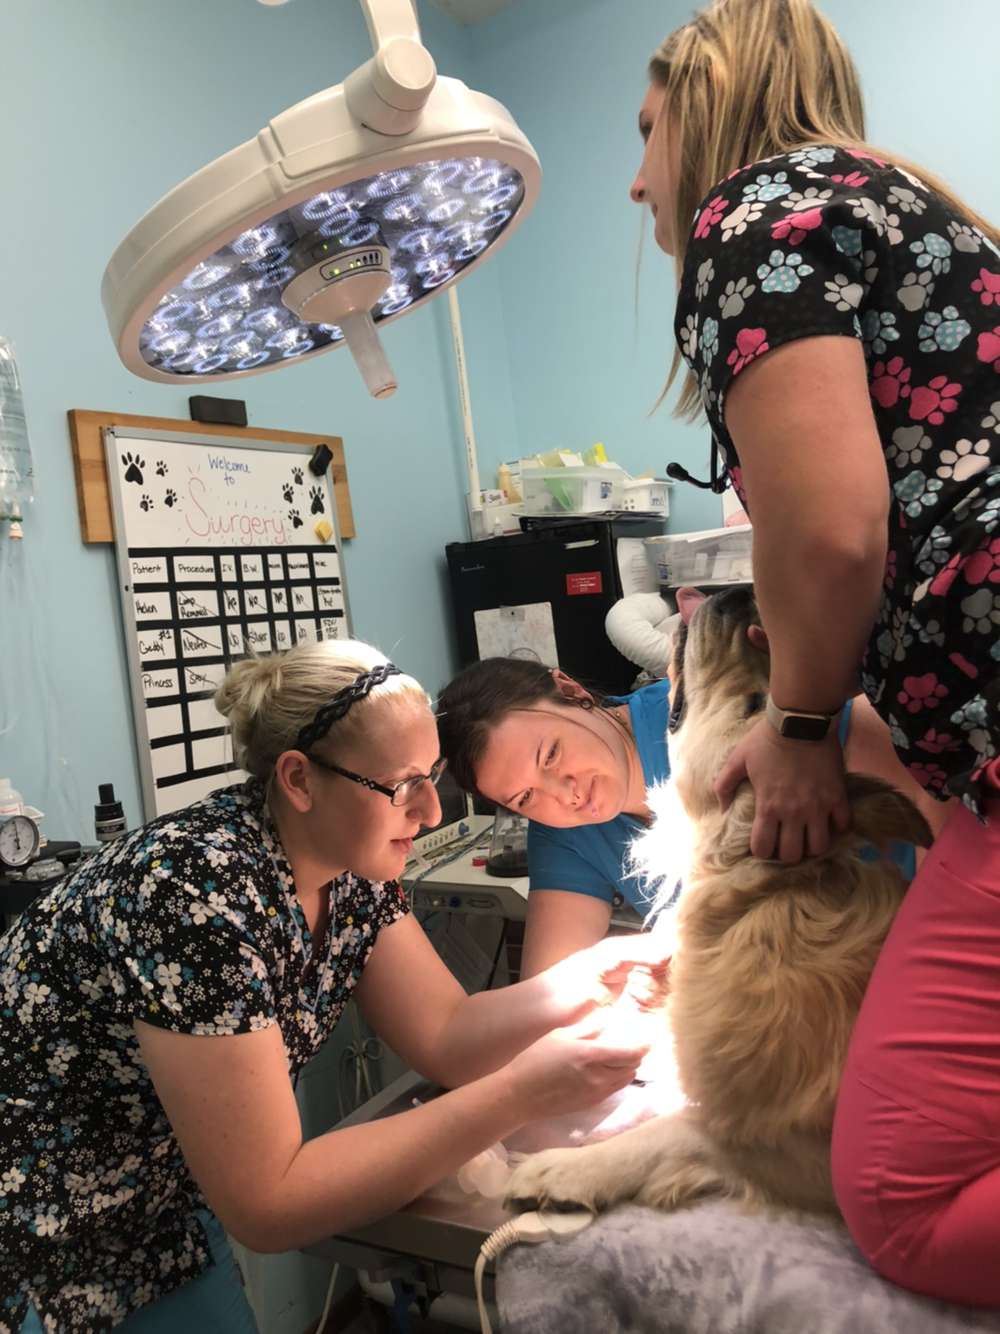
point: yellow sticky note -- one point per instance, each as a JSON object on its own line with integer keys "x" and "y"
{"x": 323, "y": 530}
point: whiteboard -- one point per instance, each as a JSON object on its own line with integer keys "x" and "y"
{"x": 218, "y": 558}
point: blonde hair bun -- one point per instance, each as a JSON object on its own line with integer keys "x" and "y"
{"x": 245, "y": 688}
{"x": 269, "y": 699}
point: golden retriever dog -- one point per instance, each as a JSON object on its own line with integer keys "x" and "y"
{"x": 770, "y": 965}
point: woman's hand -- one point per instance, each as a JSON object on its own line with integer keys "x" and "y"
{"x": 798, "y": 789}
{"x": 571, "y": 1068}
{"x": 597, "y": 976}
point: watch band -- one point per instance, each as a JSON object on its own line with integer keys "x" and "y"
{"x": 799, "y": 726}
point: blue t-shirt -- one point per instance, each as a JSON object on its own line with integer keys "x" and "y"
{"x": 593, "y": 859}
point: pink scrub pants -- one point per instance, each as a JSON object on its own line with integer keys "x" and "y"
{"x": 916, "y": 1143}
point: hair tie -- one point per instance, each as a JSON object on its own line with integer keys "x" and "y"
{"x": 341, "y": 702}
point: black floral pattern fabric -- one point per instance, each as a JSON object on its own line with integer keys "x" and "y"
{"x": 190, "y": 923}
{"x": 825, "y": 240}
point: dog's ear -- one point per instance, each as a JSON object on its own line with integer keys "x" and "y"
{"x": 880, "y": 814}
{"x": 758, "y": 638}
{"x": 688, "y": 602}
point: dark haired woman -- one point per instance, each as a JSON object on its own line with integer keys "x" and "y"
{"x": 578, "y": 765}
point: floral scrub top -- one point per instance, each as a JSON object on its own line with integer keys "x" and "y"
{"x": 190, "y": 923}
{"x": 829, "y": 241}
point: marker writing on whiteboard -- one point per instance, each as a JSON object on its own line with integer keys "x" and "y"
{"x": 246, "y": 528}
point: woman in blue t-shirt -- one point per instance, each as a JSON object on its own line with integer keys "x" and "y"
{"x": 578, "y": 764}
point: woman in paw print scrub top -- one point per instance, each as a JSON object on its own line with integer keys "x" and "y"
{"x": 839, "y": 321}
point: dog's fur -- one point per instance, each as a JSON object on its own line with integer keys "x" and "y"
{"x": 770, "y": 966}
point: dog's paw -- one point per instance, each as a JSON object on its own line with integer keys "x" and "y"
{"x": 563, "y": 1179}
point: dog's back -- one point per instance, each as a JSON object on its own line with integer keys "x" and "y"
{"x": 772, "y": 959}
{"x": 771, "y": 966}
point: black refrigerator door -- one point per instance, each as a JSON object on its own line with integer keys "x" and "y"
{"x": 573, "y": 568}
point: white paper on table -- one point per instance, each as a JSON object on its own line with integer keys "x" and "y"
{"x": 636, "y": 572}
{"x": 518, "y": 632}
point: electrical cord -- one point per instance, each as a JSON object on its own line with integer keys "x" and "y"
{"x": 499, "y": 951}
{"x": 357, "y": 1058}
{"x": 455, "y": 851}
{"x": 538, "y": 1225}
{"x": 321, "y": 1327}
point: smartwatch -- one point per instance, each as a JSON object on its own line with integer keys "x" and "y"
{"x": 798, "y": 726}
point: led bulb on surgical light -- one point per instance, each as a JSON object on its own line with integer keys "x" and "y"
{"x": 350, "y": 209}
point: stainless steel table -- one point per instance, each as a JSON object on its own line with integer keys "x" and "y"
{"x": 433, "y": 1242}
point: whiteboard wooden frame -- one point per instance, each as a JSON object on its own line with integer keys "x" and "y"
{"x": 93, "y": 492}
{"x": 111, "y": 436}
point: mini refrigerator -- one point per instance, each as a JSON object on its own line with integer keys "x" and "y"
{"x": 544, "y": 594}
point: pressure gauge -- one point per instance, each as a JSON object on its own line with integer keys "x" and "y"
{"x": 19, "y": 840}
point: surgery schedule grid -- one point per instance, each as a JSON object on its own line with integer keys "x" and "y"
{"x": 196, "y": 612}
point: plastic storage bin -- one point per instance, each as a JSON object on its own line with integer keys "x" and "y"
{"x": 649, "y": 495}
{"x": 571, "y": 490}
{"x": 712, "y": 556}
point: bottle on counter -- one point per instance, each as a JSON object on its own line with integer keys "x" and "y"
{"x": 109, "y": 815}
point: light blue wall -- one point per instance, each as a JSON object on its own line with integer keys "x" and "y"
{"x": 583, "y": 365}
{"x": 108, "y": 105}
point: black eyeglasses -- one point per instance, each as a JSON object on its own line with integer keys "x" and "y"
{"x": 400, "y": 793}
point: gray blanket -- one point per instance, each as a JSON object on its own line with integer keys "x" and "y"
{"x": 711, "y": 1270}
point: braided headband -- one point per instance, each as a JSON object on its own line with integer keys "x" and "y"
{"x": 341, "y": 702}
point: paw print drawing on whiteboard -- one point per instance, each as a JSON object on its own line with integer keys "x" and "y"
{"x": 145, "y": 503}
{"x": 287, "y": 493}
{"x": 297, "y": 476}
{"x": 170, "y": 499}
{"x": 161, "y": 468}
{"x": 133, "y": 468}
{"x": 295, "y": 518}
{"x": 316, "y": 496}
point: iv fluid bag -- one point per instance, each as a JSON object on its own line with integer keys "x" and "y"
{"x": 17, "y": 484}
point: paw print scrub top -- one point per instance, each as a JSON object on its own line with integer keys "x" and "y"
{"x": 192, "y": 924}
{"x": 829, "y": 241}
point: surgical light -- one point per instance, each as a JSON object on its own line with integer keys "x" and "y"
{"x": 345, "y": 212}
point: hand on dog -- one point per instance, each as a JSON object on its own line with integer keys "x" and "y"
{"x": 599, "y": 975}
{"x": 799, "y": 791}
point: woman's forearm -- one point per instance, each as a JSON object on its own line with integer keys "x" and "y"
{"x": 818, "y": 593}
{"x": 489, "y": 1028}
{"x": 351, "y": 1176}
